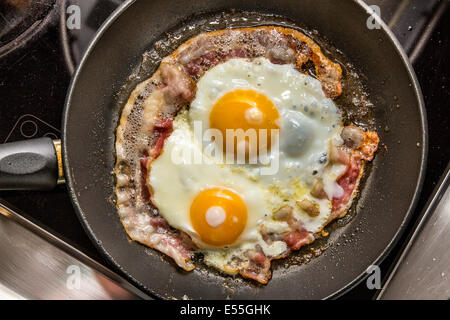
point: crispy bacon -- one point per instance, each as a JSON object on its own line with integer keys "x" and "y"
{"x": 162, "y": 130}
{"x": 279, "y": 45}
{"x": 365, "y": 145}
{"x": 178, "y": 239}
{"x": 195, "y": 67}
{"x": 370, "y": 145}
{"x": 159, "y": 222}
{"x": 237, "y": 53}
{"x": 204, "y": 62}
{"x": 178, "y": 87}
{"x": 258, "y": 267}
{"x": 297, "y": 238}
{"x": 348, "y": 183}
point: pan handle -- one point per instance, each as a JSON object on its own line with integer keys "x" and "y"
{"x": 34, "y": 164}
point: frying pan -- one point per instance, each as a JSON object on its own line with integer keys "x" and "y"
{"x": 91, "y": 115}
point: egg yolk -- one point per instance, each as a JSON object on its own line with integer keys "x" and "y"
{"x": 245, "y": 109}
{"x": 219, "y": 216}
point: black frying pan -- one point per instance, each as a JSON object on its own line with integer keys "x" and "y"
{"x": 91, "y": 115}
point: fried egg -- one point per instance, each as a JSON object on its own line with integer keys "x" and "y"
{"x": 217, "y": 207}
{"x": 226, "y": 207}
{"x": 261, "y": 95}
{"x": 280, "y": 96}
{"x": 197, "y": 180}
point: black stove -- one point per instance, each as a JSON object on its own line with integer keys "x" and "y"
{"x": 40, "y": 48}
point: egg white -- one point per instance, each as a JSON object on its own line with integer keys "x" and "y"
{"x": 309, "y": 121}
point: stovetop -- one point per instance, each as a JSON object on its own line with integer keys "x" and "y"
{"x": 35, "y": 71}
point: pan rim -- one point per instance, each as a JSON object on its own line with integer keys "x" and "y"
{"x": 423, "y": 163}
{"x": 358, "y": 279}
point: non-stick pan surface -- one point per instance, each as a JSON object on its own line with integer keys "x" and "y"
{"x": 388, "y": 196}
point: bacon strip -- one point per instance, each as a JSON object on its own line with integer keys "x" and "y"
{"x": 162, "y": 130}
{"x": 297, "y": 238}
{"x": 348, "y": 183}
{"x": 145, "y": 124}
{"x": 350, "y": 179}
{"x": 280, "y": 45}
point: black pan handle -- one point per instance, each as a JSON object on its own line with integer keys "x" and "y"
{"x": 33, "y": 164}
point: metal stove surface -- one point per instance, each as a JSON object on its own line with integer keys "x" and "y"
{"x": 35, "y": 74}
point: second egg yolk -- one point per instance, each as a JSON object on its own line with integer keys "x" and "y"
{"x": 245, "y": 109}
{"x": 219, "y": 216}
